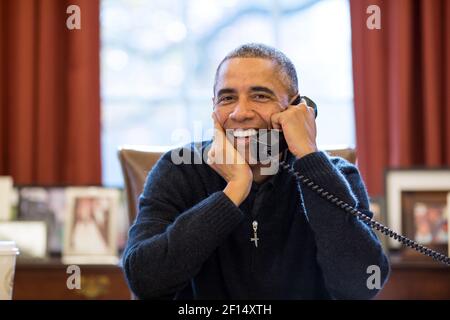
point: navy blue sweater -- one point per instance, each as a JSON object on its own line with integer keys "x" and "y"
{"x": 189, "y": 240}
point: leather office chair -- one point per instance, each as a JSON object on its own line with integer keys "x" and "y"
{"x": 136, "y": 162}
{"x": 348, "y": 154}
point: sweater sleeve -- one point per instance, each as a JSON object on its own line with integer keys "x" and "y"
{"x": 168, "y": 243}
{"x": 346, "y": 247}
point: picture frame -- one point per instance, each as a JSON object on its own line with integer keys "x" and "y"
{"x": 122, "y": 222}
{"x": 6, "y": 189}
{"x": 90, "y": 230}
{"x": 409, "y": 192}
{"x": 377, "y": 205}
{"x": 38, "y": 203}
{"x": 30, "y": 237}
{"x": 448, "y": 219}
{"x": 424, "y": 215}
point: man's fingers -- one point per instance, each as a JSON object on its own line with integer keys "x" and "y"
{"x": 279, "y": 117}
{"x": 219, "y": 133}
{"x": 216, "y": 122}
{"x": 308, "y": 108}
{"x": 221, "y": 137}
{"x": 223, "y": 148}
{"x": 211, "y": 155}
{"x": 275, "y": 120}
{"x": 303, "y": 103}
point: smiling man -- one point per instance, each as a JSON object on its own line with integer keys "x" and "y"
{"x": 225, "y": 230}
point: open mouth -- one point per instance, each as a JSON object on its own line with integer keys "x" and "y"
{"x": 244, "y": 133}
{"x": 261, "y": 144}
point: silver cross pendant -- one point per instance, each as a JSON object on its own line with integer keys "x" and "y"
{"x": 255, "y": 234}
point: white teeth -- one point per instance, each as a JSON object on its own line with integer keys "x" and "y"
{"x": 242, "y": 133}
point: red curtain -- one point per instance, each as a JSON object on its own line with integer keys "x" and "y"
{"x": 401, "y": 86}
{"x": 49, "y": 93}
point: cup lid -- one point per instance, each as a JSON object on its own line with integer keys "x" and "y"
{"x": 8, "y": 247}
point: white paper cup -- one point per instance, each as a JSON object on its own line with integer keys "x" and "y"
{"x": 8, "y": 253}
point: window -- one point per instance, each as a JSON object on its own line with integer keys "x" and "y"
{"x": 159, "y": 58}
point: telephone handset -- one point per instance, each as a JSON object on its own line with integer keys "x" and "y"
{"x": 308, "y": 101}
{"x": 265, "y": 147}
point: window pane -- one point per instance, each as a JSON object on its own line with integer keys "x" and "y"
{"x": 159, "y": 58}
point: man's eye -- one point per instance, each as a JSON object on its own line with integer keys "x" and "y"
{"x": 261, "y": 97}
{"x": 226, "y": 99}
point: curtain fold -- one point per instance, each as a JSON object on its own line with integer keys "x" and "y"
{"x": 49, "y": 93}
{"x": 401, "y": 77}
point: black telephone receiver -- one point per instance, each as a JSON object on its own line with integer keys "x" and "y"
{"x": 309, "y": 102}
{"x": 264, "y": 149}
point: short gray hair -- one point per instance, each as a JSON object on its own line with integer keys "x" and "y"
{"x": 259, "y": 50}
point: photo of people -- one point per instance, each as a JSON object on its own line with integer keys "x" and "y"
{"x": 425, "y": 217}
{"x": 431, "y": 223}
{"x": 89, "y": 234}
{"x": 91, "y": 226}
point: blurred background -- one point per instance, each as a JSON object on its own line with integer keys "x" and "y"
{"x": 140, "y": 72}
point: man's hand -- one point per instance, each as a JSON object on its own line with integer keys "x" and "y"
{"x": 299, "y": 128}
{"x": 229, "y": 163}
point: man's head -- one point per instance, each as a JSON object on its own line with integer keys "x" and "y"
{"x": 285, "y": 69}
{"x": 252, "y": 83}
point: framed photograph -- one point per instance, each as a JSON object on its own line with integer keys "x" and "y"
{"x": 30, "y": 237}
{"x": 6, "y": 188}
{"x": 14, "y": 203}
{"x": 46, "y": 204}
{"x": 417, "y": 206}
{"x": 90, "y": 230}
{"x": 122, "y": 222}
{"x": 448, "y": 220}
{"x": 378, "y": 208}
{"x": 425, "y": 218}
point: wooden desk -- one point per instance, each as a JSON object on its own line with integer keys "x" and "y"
{"x": 421, "y": 280}
{"x": 46, "y": 280}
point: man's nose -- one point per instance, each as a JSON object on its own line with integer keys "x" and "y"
{"x": 242, "y": 111}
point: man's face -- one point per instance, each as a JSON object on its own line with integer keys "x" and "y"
{"x": 248, "y": 91}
